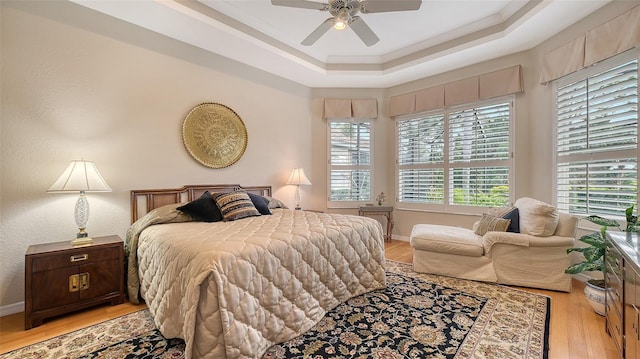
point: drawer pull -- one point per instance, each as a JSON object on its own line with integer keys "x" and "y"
{"x": 79, "y": 258}
{"x": 84, "y": 281}
{"x": 78, "y": 282}
{"x": 74, "y": 283}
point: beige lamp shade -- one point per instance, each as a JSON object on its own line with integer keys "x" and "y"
{"x": 298, "y": 178}
{"x": 81, "y": 176}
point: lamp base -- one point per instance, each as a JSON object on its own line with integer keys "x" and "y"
{"x": 82, "y": 241}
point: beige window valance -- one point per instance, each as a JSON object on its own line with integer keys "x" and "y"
{"x": 609, "y": 39}
{"x": 462, "y": 91}
{"x": 350, "y": 108}
{"x": 563, "y": 60}
{"x": 494, "y": 84}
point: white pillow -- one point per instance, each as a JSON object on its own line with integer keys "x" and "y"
{"x": 536, "y": 217}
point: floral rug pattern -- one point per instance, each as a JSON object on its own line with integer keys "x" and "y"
{"x": 416, "y": 316}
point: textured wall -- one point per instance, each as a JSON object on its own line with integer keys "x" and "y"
{"x": 79, "y": 84}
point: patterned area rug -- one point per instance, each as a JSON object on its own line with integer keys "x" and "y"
{"x": 416, "y": 316}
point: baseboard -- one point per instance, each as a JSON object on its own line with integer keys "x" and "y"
{"x": 400, "y": 238}
{"x": 11, "y": 309}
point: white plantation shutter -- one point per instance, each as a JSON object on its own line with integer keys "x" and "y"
{"x": 456, "y": 158}
{"x": 479, "y": 156}
{"x": 421, "y": 159}
{"x": 597, "y": 131}
{"x": 349, "y": 161}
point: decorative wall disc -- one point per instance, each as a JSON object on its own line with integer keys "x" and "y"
{"x": 214, "y": 135}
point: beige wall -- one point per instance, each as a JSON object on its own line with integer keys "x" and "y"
{"x": 78, "y": 84}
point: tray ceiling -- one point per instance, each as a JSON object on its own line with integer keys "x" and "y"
{"x": 443, "y": 35}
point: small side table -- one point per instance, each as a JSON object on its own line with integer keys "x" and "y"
{"x": 60, "y": 278}
{"x": 386, "y": 211}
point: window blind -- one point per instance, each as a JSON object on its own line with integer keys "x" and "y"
{"x": 597, "y": 131}
{"x": 350, "y": 161}
{"x": 421, "y": 159}
{"x": 479, "y": 156}
{"x": 453, "y": 158}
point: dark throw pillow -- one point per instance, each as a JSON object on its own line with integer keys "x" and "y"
{"x": 514, "y": 216}
{"x": 511, "y": 213}
{"x": 203, "y": 208}
{"x": 261, "y": 203}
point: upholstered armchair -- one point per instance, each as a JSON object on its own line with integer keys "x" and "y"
{"x": 532, "y": 254}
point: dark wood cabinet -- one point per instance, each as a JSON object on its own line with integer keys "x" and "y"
{"x": 613, "y": 274}
{"x": 622, "y": 277}
{"x": 60, "y": 278}
{"x": 631, "y": 314}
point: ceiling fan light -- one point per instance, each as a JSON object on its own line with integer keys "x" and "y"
{"x": 339, "y": 24}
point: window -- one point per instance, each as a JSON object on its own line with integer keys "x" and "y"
{"x": 596, "y": 138}
{"x": 349, "y": 161}
{"x": 421, "y": 159}
{"x": 456, "y": 159}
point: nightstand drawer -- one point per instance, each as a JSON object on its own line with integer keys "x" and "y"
{"x": 74, "y": 257}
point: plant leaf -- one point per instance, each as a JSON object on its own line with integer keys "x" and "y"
{"x": 590, "y": 254}
{"x": 585, "y": 267}
{"x": 629, "y": 214}
{"x": 601, "y": 221}
{"x": 595, "y": 239}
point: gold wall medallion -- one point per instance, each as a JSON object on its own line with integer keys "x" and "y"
{"x": 214, "y": 135}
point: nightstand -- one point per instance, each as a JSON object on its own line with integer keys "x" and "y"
{"x": 60, "y": 278}
{"x": 386, "y": 211}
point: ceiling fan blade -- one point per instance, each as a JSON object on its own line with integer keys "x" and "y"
{"x": 363, "y": 31}
{"x": 318, "y": 32}
{"x": 301, "y": 4}
{"x": 369, "y": 6}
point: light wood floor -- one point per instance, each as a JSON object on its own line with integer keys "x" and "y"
{"x": 576, "y": 331}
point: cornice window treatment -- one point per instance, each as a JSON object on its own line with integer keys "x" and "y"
{"x": 350, "y": 108}
{"x": 494, "y": 84}
{"x": 609, "y": 39}
{"x": 429, "y": 99}
{"x": 563, "y": 60}
{"x": 614, "y": 37}
{"x": 462, "y": 91}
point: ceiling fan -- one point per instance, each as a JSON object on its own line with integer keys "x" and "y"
{"x": 344, "y": 13}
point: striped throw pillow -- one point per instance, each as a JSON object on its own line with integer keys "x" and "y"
{"x": 492, "y": 223}
{"x": 235, "y": 205}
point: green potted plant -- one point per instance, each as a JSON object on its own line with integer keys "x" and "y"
{"x": 594, "y": 255}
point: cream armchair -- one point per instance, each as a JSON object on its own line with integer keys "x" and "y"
{"x": 536, "y": 257}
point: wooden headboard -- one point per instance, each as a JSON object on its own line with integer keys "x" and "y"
{"x": 145, "y": 200}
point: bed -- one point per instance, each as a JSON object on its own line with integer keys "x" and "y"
{"x": 231, "y": 289}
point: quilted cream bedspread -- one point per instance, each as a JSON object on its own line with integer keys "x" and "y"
{"x": 233, "y": 289}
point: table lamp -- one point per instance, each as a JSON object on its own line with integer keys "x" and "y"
{"x": 81, "y": 176}
{"x": 297, "y": 178}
